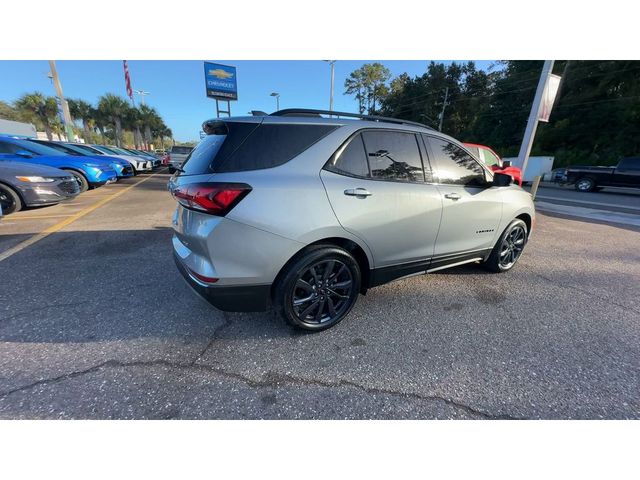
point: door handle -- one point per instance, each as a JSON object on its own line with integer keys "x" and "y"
{"x": 453, "y": 196}
{"x": 358, "y": 192}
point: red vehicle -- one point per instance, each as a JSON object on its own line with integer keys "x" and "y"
{"x": 492, "y": 160}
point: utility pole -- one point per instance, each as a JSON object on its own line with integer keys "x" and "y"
{"x": 444, "y": 105}
{"x": 532, "y": 123}
{"x": 63, "y": 102}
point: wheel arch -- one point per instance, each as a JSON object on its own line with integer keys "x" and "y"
{"x": 358, "y": 252}
{"x": 526, "y": 218}
{"x": 14, "y": 189}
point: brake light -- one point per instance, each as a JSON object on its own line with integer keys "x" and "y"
{"x": 213, "y": 198}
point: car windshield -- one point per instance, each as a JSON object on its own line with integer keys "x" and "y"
{"x": 87, "y": 149}
{"x": 60, "y": 147}
{"x": 38, "y": 148}
{"x": 104, "y": 149}
{"x": 120, "y": 151}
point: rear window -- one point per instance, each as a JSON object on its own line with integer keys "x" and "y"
{"x": 240, "y": 146}
{"x": 179, "y": 150}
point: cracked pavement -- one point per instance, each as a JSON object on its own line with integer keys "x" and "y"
{"x": 95, "y": 322}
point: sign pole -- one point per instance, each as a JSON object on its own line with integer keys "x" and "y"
{"x": 532, "y": 123}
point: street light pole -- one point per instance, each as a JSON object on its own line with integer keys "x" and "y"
{"x": 65, "y": 106}
{"x": 277, "y": 95}
{"x": 142, "y": 94}
{"x": 332, "y": 63}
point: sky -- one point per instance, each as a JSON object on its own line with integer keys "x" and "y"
{"x": 177, "y": 88}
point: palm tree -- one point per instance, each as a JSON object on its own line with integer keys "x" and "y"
{"x": 164, "y": 132}
{"x": 40, "y": 109}
{"x": 99, "y": 123}
{"x": 151, "y": 121}
{"x": 81, "y": 110}
{"x": 134, "y": 122}
{"x": 114, "y": 109}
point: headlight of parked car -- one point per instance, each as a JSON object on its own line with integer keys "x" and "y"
{"x": 36, "y": 179}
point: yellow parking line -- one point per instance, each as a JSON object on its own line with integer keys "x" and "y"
{"x": 39, "y": 216}
{"x": 60, "y": 225}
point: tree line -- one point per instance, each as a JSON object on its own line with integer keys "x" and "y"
{"x": 111, "y": 120}
{"x": 595, "y": 120}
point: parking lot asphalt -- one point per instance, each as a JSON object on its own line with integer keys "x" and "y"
{"x": 96, "y": 322}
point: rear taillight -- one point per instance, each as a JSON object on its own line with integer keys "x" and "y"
{"x": 213, "y": 198}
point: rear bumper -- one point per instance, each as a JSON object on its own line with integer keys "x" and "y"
{"x": 236, "y": 298}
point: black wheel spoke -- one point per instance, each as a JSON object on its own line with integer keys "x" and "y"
{"x": 328, "y": 269}
{"x": 316, "y": 277}
{"x": 302, "y": 301}
{"x": 336, "y": 294}
{"x": 320, "y": 311}
{"x": 304, "y": 285}
{"x": 332, "y": 307}
{"x": 322, "y": 292}
{"x": 309, "y": 309}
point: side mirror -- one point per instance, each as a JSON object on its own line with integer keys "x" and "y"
{"x": 506, "y": 163}
{"x": 24, "y": 153}
{"x": 501, "y": 180}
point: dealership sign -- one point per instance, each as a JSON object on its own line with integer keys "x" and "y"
{"x": 221, "y": 81}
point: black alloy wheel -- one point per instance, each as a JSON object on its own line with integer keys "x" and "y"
{"x": 322, "y": 292}
{"x": 318, "y": 288}
{"x": 512, "y": 246}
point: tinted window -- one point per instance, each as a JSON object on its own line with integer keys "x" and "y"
{"x": 270, "y": 145}
{"x": 631, "y": 163}
{"x": 33, "y": 148}
{"x": 393, "y": 156}
{"x": 200, "y": 158}
{"x": 454, "y": 165}
{"x": 352, "y": 159}
{"x": 238, "y": 146}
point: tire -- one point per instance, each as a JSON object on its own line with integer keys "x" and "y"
{"x": 9, "y": 200}
{"x": 318, "y": 288}
{"x": 82, "y": 180}
{"x": 508, "y": 249}
{"x": 585, "y": 184}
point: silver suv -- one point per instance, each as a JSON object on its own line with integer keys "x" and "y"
{"x": 306, "y": 212}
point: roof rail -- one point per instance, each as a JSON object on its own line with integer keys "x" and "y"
{"x": 309, "y": 112}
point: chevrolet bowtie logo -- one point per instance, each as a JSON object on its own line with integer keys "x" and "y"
{"x": 221, "y": 74}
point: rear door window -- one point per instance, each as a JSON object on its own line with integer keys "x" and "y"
{"x": 455, "y": 166}
{"x": 351, "y": 160}
{"x": 393, "y": 155}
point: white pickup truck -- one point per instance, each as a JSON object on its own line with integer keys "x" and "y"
{"x": 177, "y": 155}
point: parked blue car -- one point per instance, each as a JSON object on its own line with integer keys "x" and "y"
{"x": 88, "y": 172}
{"x": 122, "y": 167}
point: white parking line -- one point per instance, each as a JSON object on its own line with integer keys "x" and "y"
{"x": 590, "y": 213}
{"x": 588, "y": 202}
